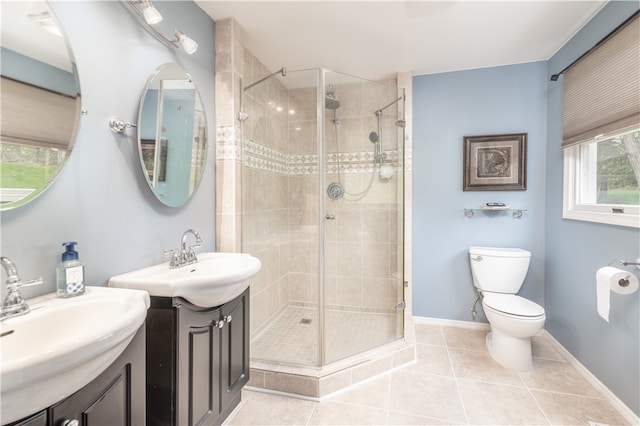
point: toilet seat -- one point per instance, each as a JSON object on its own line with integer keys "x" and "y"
{"x": 511, "y": 304}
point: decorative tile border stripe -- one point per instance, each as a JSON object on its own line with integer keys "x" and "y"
{"x": 261, "y": 157}
{"x": 265, "y": 165}
{"x": 255, "y": 149}
{"x": 228, "y": 143}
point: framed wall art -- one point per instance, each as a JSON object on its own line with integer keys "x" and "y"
{"x": 495, "y": 163}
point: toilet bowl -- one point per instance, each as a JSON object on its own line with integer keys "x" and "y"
{"x": 514, "y": 320}
{"x": 498, "y": 273}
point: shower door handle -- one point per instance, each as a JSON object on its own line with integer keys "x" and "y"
{"x": 330, "y": 217}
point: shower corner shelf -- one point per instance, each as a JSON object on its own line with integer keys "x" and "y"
{"x": 517, "y": 213}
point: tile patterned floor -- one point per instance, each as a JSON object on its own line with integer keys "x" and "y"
{"x": 293, "y": 336}
{"x": 454, "y": 381}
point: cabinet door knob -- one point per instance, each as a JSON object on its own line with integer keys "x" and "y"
{"x": 67, "y": 422}
{"x": 220, "y": 323}
{"x": 228, "y": 318}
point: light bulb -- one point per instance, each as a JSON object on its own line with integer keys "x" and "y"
{"x": 188, "y": 44}
{"x": 150, "y": 13}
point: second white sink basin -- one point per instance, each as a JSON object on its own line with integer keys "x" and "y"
{"x": 63, "y": 344}
{"x": 214, "y": 280}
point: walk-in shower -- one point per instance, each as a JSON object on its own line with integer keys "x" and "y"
{"x": 322, "y": 207}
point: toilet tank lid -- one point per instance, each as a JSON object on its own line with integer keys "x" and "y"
{"x": 499, "y": 251}
{"x": 513, "y": 304}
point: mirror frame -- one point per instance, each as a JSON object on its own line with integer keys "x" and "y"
{"x": 49, "y": 97}
{"x": 150, "y": 150}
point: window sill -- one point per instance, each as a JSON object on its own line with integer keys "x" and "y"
{"x": 619, "y": 219}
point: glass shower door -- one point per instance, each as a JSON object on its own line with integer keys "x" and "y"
{"x": 363, "y": 212}
{"x": 322, "y": 210}
{"x": 280, "y": 220}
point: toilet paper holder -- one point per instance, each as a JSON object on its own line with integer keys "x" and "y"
{"x": 625, "y": 263}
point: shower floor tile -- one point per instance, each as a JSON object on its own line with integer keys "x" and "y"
{"x": 292, "y": 337}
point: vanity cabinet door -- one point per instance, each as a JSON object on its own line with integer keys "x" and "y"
{"x": 197, "y": 360}
{"x": 198, "y": 366}
{"x": 114, "y": 398}
{"x": 39, "y": 419}
{"x": 235, "y": 349}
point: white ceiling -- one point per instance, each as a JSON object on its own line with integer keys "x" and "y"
{"x": 25, "y": 36}
{"x": 374, "y": 39}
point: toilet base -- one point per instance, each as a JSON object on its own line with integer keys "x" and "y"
{"x": 513, "y": 353}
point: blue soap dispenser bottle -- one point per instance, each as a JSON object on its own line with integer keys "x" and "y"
{"x": 70, "y": 273}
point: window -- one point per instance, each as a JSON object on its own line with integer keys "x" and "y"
{"x": 602, "y": 180}
{"x": 601, "y": 131}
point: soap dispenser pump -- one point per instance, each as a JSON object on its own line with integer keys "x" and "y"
{"x": 70, "y": 273}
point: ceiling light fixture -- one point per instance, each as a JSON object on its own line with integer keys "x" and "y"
{"x": 149, "y": 16}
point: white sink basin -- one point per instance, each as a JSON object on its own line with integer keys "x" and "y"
{"x": 63, "y": 344}
{"x": 214, "y": 280}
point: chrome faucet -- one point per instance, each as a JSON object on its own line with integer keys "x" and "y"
{"x": 10, "y": 269}
{"x": 14, "y": 304}
{"x": 186, "y": 255}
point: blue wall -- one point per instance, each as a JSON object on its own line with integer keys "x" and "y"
{"x": 575, "y": 250}
{"x": 447, "y": 107}
{"x": 101, "y": 199}
{"x": 28, "y": 70}
{"x": 566, "y": 253}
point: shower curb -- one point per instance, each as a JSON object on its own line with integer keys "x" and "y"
{"x": 323, "y": 382}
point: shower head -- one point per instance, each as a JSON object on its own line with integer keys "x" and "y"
{"x": 373, "y": 137}
{"x": 330, "y": 103}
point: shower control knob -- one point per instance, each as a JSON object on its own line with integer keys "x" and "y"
{"x": 330, "y": 217}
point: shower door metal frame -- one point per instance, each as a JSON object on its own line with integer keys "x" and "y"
{"x": 320, "y": 111}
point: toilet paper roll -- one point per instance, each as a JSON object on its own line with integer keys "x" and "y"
{"x": 610, "y": 279}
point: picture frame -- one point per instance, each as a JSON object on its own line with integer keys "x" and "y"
{"x": 495, "y": 162}
{"x": 148, "y": 147}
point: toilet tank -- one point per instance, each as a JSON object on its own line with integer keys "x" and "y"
{"x": 499, "y": 270}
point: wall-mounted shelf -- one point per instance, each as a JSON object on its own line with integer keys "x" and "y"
{"x": 517, "y": 213}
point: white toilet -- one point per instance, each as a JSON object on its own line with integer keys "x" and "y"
{"x": 499, "y": 273}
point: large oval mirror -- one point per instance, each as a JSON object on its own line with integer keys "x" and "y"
{"x": 40, "y": 108}
{"x": 172, "y": 135}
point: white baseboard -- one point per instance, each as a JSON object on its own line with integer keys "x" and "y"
{"x": 610, "y": 396}
{"x": 451, "y": 323}
{"x": 595, "y": 382}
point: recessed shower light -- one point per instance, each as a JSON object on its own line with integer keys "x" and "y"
{"x": 45, "y": 21}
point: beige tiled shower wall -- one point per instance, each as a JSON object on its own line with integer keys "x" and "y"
{"x": 302, "y": 258}
{"x": 229, "y": 70}
{"x": 263, "y": 216}
{"x": 265, "y": 193}
{"x": 361, "y": 253}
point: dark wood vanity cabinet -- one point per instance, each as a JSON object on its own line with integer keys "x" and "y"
{"x": 197, "y": 360}
{"x": 114, "y": 398}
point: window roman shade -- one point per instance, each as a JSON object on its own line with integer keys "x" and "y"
{"x": 37, "y": 117}
{"x": 602, "y": 90}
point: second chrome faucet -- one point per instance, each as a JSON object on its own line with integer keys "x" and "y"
{"x": 185, "y": 255}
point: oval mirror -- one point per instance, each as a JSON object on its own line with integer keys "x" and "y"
{"x": 40, "y": 108}
{"x": 172, "y": 135}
